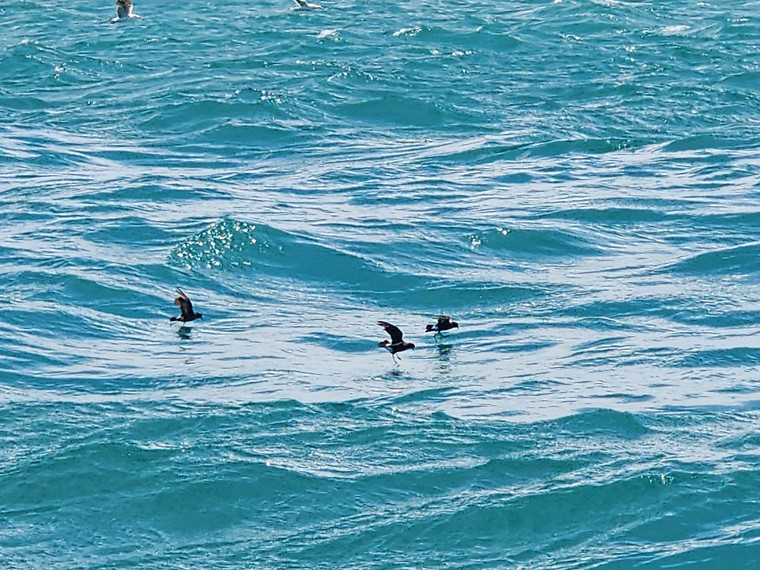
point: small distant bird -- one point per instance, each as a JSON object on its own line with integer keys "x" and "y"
{"x": 124, "y": 12}
{"x": 304, "y": 5}
{"x": 396, "y": 343}
{"x": 444, "y": 323}
{"x": 186, "y": 308}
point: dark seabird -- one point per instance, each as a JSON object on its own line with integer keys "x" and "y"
{"x": 444, "y": 323}
{"x": 396, "y": 343}
{"x": 124, "y": 12}
{"x": 186, "y": 308}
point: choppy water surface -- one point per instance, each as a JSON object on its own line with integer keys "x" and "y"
{"x": 575, "y": 182}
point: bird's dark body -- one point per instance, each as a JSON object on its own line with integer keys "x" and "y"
{"x": 444, "y": 323}
{"x": 186, "y": 308}
{"x": 396, "y": 344}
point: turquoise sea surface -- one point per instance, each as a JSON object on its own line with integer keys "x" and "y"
{"x": 576, "y": 182}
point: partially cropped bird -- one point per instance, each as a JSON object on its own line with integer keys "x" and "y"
{"x": 186, "y": 308}
{"x": 444, "y": 323}
{"x": 304, "y": 5}
{"x": 396, "y": 343}
{"x": 124, "y": 12}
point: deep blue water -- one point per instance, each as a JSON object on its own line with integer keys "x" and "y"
{"x": 577, "y": 183}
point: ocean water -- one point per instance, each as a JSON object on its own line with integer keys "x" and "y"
{"x": 576, "y": 182}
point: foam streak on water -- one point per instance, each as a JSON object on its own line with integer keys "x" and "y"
{"x": 575, "y": 182}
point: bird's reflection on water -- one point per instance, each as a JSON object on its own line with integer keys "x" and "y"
{"x": 185, "y": 333}
{"x": 445, "y": 353}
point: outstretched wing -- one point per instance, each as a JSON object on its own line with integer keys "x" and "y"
{"x": 394, "y": 331}
{"x": 184, "y": 304}
{"x": 300, "y": 3}
{"x": 123, "y": 8}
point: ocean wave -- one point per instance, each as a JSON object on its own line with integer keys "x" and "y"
{"x": 524, "y": 493}
{"x": 260, "y": 250}
{"x": 736, "y": 261}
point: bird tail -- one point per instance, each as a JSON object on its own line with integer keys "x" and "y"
{"x": 429, "y": 328}
{"x": 383, "y": 344}
{"x": 175, "y": 319}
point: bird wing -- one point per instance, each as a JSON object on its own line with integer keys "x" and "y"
{"x": 394, "y": 331}
{"x": 184, "y": 304}
{"x": 123, "y": 8}
{"x": 300, "y": 3}
{"x": 443, "y": 319}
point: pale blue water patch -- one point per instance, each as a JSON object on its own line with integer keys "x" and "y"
{"x": 575, "y": 182}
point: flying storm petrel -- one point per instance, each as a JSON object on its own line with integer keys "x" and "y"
{"x": 396, "y": 344}
{"x": 444, "y": 323}
{"x": 186, "y": 308}
{"x": 124, "y": 12}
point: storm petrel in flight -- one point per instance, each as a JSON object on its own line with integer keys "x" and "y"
{"x": 444, "y": 323}
{"x": 124, "y": 12}
{"x": 396, "y": 344}
{"x": 186, "y": 308}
